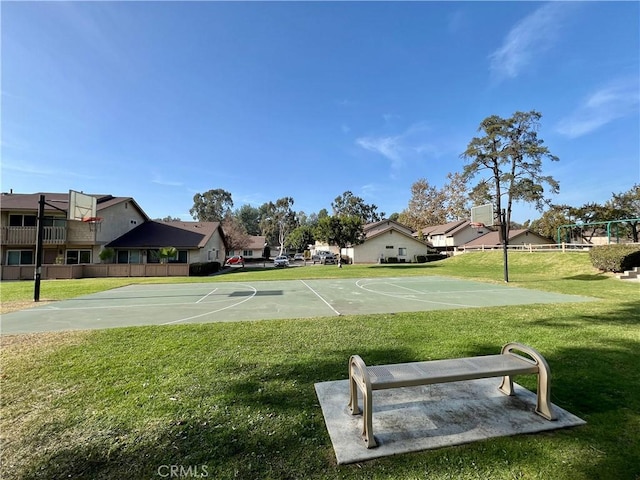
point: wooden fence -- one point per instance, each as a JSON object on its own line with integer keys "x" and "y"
{"x": 531, "y": 248}
{"x": 50, "y": 272}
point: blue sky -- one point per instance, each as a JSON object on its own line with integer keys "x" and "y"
{"x": 163, "y": 100}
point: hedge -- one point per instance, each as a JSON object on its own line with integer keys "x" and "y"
{"x": 615, "y": 258}
{"x": 202, "y": 269}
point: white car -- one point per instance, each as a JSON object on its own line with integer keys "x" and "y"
{"x": 281, "y": 261}
{"x": 299, "y": 256}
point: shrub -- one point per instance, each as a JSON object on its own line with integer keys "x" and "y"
{"x": 202, "y": 269}
{"x": 432, "y": 257}
{"x": 421, "y": 258}
{"x": 615, "y": 258}
{"x": 392, "y": 259}
{"x": 105, "y": 254}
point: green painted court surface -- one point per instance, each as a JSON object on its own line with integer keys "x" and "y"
{"x": 172, "y": 304}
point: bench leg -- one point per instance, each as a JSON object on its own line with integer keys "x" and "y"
{"x": 367, "y": 404}
{"x": 367, "y": 419}
{"x": 543, "y": 403}
{"x": 506, "y": 386}
{"x": 543, "y": 407}
{"x": 359, "y": 380}
{"x": 353, "y": 396}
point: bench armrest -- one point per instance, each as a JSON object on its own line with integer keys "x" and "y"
{"x": 543, "y": 407}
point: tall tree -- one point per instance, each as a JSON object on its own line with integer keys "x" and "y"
{"x": 552, "y": 219}
{"x": 626, "y": 205}
{"x": 342, "y": 230}
{"x": 300, "y": 238}
{"x": 348, "y": 204}
{"x": 426, "y": 206}
{"x": 249, "y": 217}
{"x": 456, "y": 196}
{"x": 235, "y": 234}
{"x": 277, "y": 220}
{"x": 211, "y": 206}
{"x": 589, "y": 217}
{"x": 507, "y": 163}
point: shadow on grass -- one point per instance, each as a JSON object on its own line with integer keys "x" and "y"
{"x": 625, "y": 313}
{"x": 588, "y": 278}
{"x": 268, "y": 424}
{"x": 405, "y": 266}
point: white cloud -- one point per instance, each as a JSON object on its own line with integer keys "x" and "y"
{"x": 618, "y": 99}
{"x": 402, "y": 147}
{"x": 159, "y": 181}
{"x": 531, "y": 37}
{"x": 457, "y": 21}
{"x": 25, "y": 168}
{"x": 388, "y": 147}
{"x": 369, "y": 190}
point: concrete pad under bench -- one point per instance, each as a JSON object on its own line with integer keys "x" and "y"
{"x": 412, "y": 419}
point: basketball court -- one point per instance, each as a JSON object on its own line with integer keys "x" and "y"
{"x": 175, "y": 304}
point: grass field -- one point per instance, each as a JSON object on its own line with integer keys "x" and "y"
{"x": 236, "y": 400}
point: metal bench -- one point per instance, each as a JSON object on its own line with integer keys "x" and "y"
{"x": 506, "y": 365}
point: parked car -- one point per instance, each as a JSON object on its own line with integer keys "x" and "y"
{"x": 281, "y": 261}
{"x": 299, "y": 256}
{"x": 324, "y": 257}
{"x": 319, "y": 255}
{"x": 328, "y": 259}
{"x": 235, "y": 260}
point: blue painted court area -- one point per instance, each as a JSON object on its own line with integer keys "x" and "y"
{"x": 173, "y": 304}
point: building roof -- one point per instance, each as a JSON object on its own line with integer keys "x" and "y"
{"x": 154, "y": 234}
{"x": 448, "y": 229}
{"x": 256, "y": 242}
{"x": 29, "y": 202}
{"x": 492, "y": 238}
{"x": 376, "y": 229}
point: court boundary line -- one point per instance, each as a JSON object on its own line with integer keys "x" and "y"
{"x": 255, "y": 291}
{"x": 400, "y": 297}
{"x": 320, "y": 297}
{"x": 215, "y": 289}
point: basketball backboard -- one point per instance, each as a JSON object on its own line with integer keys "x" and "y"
{"x": 483, "y": 214}
{"x": 81, "y": 206}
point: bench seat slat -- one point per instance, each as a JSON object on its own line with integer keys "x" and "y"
{"x": 450, "y": 370}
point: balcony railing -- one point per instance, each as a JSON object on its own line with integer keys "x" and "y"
{"x": 28, "y": 235}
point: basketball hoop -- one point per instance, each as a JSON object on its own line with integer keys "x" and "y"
{"x": 94, "y": 223}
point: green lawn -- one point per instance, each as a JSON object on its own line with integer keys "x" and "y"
{"x": 236, "y": 400}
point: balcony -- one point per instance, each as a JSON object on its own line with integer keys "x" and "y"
{"x": 28, "y": 235}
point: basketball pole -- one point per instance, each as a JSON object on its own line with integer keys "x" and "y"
{"x": 39, "y": 241}
{"x": 505, "y": 243}
{"x": 38, "y": 272}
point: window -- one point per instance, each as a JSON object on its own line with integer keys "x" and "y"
{"x": 134, "y": 256}
{"x": 389, "y": 247}
{"x": 402, "y": 252}
{"x": 74, "y": 257}
{"x": 22, "y": 220}
{"x": 182, "y": 256}
{"x": 247, "y": 253}
{"x": 123, "y": 256}
{"x": 129, "y": 256}
{"x": 153, "y": 256}
{"x": 20, "y": 257}
{"x": 54, "y": 222}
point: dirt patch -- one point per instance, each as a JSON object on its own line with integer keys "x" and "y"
{"x": 21, "y": 305}
{"x": 25, "y": 342}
